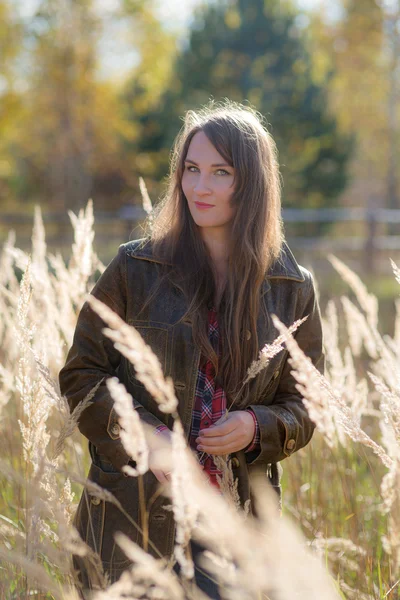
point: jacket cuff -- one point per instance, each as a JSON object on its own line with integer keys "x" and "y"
{"x": 279, "y": 432}
{"x": 255, "y": 444}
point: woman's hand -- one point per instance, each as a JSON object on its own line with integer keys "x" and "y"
{"x": 232, "y": 434}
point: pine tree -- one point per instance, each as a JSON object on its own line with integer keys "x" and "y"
{"x": 254, "y": 50}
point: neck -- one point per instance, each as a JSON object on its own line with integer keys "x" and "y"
{"x": 217, "y": 243}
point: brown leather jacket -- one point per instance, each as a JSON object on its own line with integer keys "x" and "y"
{"x": 285, "y": 426}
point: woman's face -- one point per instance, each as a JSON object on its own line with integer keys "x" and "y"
{"x": 207, "y": 183}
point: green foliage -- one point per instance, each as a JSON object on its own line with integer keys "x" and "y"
{"x": 62, "y": 134}
{"x": 11, "y": 35}
{"x": 335, "y": 492}
{"x": 357, "y": 49}
{"x": 254, "y": 51}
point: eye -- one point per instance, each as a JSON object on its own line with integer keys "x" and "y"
{"x": 223, "y": 172}
{"x": 189, "y": 167}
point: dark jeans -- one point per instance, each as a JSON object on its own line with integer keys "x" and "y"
{"x": 204, "y": 581}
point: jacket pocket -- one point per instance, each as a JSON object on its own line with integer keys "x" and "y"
{"x": 98, "y": 520}
{"x": 101, "y": 460}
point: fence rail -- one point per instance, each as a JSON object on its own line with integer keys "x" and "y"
{"x": 368, "y": 239}
{"x": 299, "y": 215}
{"x": 332, "y": 215}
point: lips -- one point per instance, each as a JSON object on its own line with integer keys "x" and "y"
{"x": 203, "y": 205}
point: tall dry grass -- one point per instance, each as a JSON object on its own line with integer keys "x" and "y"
{"x": 340, "y": 532}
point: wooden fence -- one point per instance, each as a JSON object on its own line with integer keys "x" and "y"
{"x": 368, "y": 236}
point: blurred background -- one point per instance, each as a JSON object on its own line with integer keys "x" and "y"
{"x": 92, "y": 93}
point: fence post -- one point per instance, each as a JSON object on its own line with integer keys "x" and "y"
{"x": 370, "y": 248}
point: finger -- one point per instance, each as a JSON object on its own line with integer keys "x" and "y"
{"x": 223, "y": 450}
{"x": 228, "y": 445}
{"x": 221, "y": 440}
{"x": 218, "y": 430}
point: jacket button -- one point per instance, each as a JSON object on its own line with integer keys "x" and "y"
{"x": 235, "y": 463}
{"x": 115, "y": 429}
{"x": 248, "y": 334}
{"x": 290, "y": 445}
{"x": 94, "y": 500}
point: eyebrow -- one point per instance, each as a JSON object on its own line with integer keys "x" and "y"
{"x": 214, "y": 165}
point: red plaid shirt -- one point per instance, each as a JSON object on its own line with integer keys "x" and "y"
{"x": 210, "y": 404}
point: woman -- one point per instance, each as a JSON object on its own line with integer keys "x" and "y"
{"x": 201, "y": 289}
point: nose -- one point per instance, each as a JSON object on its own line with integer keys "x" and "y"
{"x": 201, "y": 187}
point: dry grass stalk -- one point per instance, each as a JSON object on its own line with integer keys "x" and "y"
{"x": 83, "y": 258}
{"x": 227, "y": 482}
{"x": 319, "y": 397}
{"x": 359, "y": 405}
{"x": 97, "y": 491}
{"x": 339, "y": 550}
{"x": 146, "y": 202}
{"x": 147, "y": 366}
{"x": 147, "y": 578}
{"x": 356, "y": 594}
{"x": 368, "y": 302}
{"x": 49, "y": 384}
{"x": 158, "y": 581}
{"x": 268, "y": 352}
{"x": 396, "y": 270}
{"x": 8, "y": 385}
{"x": 390, "y": 407}
{"x": 132, "y": 432}
{"x": 183, "y": 493}
{"x": 283, "y": 546}
{"x": 388, "y": 364}
{"x": 397, "y": 322}
{"x": 11, "y": 474}
{"x": 359, "y": 330}
{"x": 8, "y": 278}
{"x": 331, "y": 342}
{"x": 34, "y": 401}
{"x": 390, "y": 485}
{"x": 34, "y": 572}
{"x": 9, "y": 530}
{"x": 72, "y": 420}
{"x": 340, "y": 370}
{"x": 390, "y": 490}
{"x": 249, "y": 559}
{"x": 39, "y": 247}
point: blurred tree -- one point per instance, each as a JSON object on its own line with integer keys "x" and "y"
{"x": 71, "y": 125}
{"x": 142, "y": 93}
{"x": 72, "y": 119}
{"x": 392, "y": 34}
{"x": 255, "y": 50}
{"x": 362, "y": 48}
{"x": 11, "y": 37}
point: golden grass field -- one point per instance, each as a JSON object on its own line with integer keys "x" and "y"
{"x": 339, "y": 536}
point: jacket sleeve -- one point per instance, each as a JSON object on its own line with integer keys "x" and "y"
{"x": 284, "y": 424}
{"x": 91, "y": 358}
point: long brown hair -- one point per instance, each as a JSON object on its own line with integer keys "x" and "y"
{"x": 238, "y": 134}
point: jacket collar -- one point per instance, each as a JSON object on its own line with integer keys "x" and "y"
{"x": 285, "y": 267}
